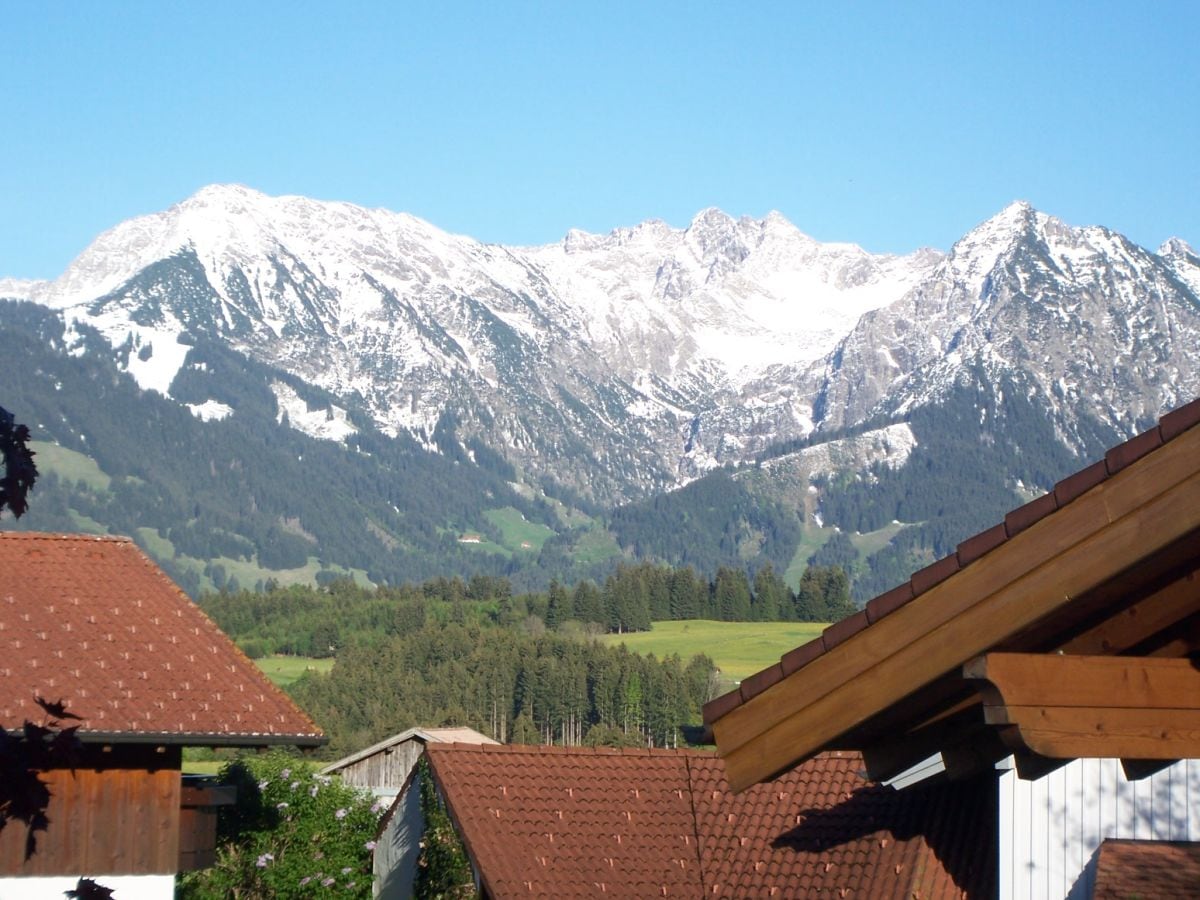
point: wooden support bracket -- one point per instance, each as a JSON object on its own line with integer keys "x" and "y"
{"x": 1066, "y": 707}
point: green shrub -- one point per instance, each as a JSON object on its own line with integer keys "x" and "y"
{"x": 291, "y": 834}
{"x": 443, "y": 871}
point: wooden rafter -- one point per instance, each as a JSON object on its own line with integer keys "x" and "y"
{"x": 1065, "y": 706}
{"x": 1034, "y": 576}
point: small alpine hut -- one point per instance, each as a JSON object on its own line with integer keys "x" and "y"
{"x": 386, "y": 769}
{"x": 383, "y": 768}
{"x": 1056, "y": 651}
{"x": 92, "y": 623}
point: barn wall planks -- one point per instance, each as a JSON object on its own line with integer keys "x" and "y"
{"x": 118, "y": 813}
{"x": 1051, "y": 828}
{"x": 387, "y": 769}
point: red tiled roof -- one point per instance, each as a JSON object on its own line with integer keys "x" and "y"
{"x": 1164, "y": 870}
{"x": 92, "y": 621}
{"x": 1168, "y": 428}
{"x": 555, "y": 822}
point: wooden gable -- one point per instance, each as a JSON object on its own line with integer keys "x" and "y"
{"x": 967, "y": 660}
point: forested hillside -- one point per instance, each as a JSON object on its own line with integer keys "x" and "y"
{"x": 712, "y": 521}
{"x": 979, "y": 454}
{"x": 517, "y": 667}
{"x": 246, "y": 489}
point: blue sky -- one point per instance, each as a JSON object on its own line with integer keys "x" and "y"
{"x": 891, "y": 125}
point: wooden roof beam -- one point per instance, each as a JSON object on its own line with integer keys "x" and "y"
{"x": 889, "y": 740}
{"x": 1139, "y": 621}
{"x": 1137, "y": 769}
{"x": 1066, "y": 707}
{"x": 1145, "y": 507}
{"x": 885, "y": 759}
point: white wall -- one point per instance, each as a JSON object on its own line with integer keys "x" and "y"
{"x": 1051, "y": 828}
{"x": 125, "y": 887}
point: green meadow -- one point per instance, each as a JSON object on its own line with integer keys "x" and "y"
{"x": 738, "y": 648}
{"x": 283, "y": 670}
{"x": 518, "y": 532}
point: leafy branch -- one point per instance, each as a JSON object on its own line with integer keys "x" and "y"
{"x": 19, "y": 470}
{"x": 24, "y": 796}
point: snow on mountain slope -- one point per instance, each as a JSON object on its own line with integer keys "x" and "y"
{"x": 1105, "y": 329}
{"x": 630, "y": 334}
{"x": 744, "y": 293}
{"x": 624, "y": 363}
{"x": 20, "y": 288}
{"x": 890, "y": 446}
{"x": 1183, "y": 261}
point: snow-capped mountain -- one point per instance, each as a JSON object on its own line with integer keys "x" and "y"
{"x": 626, "y": 363}
{"x": 602, "y": 347}
{"x": 1104, "y": 332}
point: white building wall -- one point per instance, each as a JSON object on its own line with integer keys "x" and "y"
{"x": 124, "y": 887}
{"x": 1051, "y": 828}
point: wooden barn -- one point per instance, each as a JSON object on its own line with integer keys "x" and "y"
{"x": 92, "y": 622}
{"x": 386, "y": 769}
{"x": 1054, "y": 652}
{"x": 383, "y": 768}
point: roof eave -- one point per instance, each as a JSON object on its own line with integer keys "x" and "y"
{"x": 167, "y": 738}
{"x": 786, "y": 717}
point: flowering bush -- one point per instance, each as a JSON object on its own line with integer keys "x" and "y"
{"x": 292, "y": 833}
{"x": 443, "y": 871}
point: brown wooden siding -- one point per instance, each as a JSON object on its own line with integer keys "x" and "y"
{"x": 198, "y": 823}
{"x": 117, "y": 814}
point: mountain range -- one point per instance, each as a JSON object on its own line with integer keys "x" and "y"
{"x": 609, "y": 371}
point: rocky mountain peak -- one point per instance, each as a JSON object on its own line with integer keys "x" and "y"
{"x": 225, "y": 196}
{"x": 675, "y": 349}
{"x": 1177, "y": 247}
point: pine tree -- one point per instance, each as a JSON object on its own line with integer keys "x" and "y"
{"x": 588, "y": 603}
{"x": 558, "y": 605}
{"x": 732, "y": 595}
{"x": 770, "y": 595}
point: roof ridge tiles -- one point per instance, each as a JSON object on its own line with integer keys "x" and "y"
{"x": 1169, "y": 426}
{"x": 559, "y": 750}
{"x": 66, "y": 536}
{"x": 1179, "y": 420}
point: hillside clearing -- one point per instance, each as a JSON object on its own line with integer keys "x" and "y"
{"x": 70, "y": 464}
{"x": 517, "y": 532}
{"x": 283, "y": 670}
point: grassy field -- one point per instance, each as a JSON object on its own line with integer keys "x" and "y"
{"x": 517, "y": 531}
{"x": 812, "y": 539}
{"x": 283, "y": 670}
{"x": 70, "y": 465}
{"x": 202, "y": 766}
{"x": 874, "y": 541}
{"x": 247, "y": 572}
{"x": 86, "y": 524}
{"x": 738, "y": 648}
{"x": 594, "y": 545}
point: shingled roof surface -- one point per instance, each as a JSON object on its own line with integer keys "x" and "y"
{"x": 93, "y": 622}
{"x": 555, "y": 822}
{"x": 1119, "y": 457}
{"x": 1164, "y": 870}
